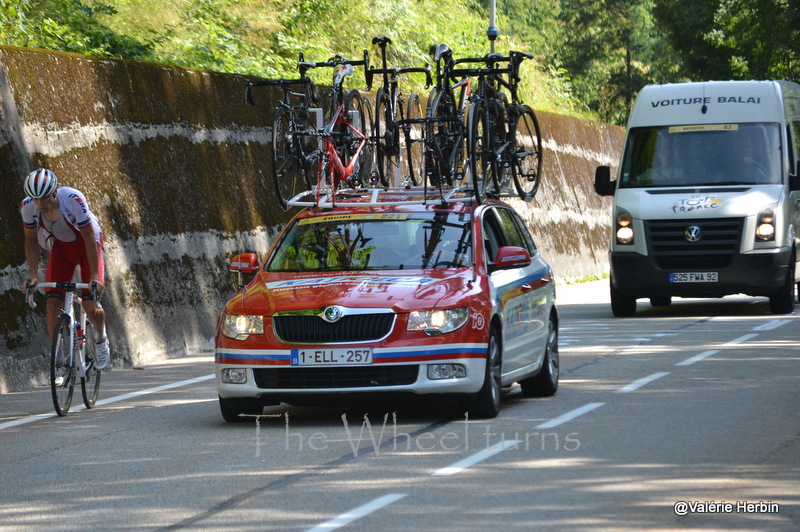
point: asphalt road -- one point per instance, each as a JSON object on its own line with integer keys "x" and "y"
{"x": 683, "y": 417}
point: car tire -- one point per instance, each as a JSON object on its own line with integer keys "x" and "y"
{"x": 232, "y": 409}
{"x": 486, "y": 403}
{"x": 545, "y": 383}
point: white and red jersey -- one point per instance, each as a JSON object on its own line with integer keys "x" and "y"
{"x": 75, "y": 215}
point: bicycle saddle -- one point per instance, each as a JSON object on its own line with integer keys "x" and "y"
{"x": 440, "y": 50}
{"x": 340, "y": 72}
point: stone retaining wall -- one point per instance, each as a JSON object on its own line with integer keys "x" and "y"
{"x": 176, "y": 167}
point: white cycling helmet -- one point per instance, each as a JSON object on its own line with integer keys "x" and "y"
{"x": 40, "y": 183}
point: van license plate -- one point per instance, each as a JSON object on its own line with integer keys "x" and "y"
{"x": 331, "y": 357}
{"x": 694, "y": 277}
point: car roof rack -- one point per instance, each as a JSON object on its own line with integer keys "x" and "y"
{"x": 374, "y": 197}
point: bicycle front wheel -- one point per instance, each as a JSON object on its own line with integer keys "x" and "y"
{"x": 288, "y": 171}
{"x": 90, "y": 383}
{"x": 527, "y": 165}
{"x": 387, "y": 149}
{"x": 445, "y": 138}
{"x": 415, "y": 140}
{"x": 62, "y": 367}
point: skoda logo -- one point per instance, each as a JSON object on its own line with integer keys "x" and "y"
{"x": 693, "y": 233}
{"x": 332, "y": 314}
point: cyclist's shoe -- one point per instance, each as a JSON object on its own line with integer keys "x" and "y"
{"x": 61, "y": 374}
{"x": 102, "y": 355}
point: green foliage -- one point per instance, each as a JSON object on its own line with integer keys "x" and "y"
{"x": 734, "y": 39}
{"x": 66, "y": 25}
{"x": 591, "y": 56}
{"x": 265, "y": 39}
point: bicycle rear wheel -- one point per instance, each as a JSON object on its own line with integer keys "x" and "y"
{"x": 90, "y": 383}
{"x": 527, "y": 164}
{"x": 288, "y": 171}
{"x": 62, "y": 367}
{"x": 445, "y": 139}
{"x": 481, "y": 162}
{"x": 349, "y": 141}
{"x": 387, "y": 148}
{"x": 415, "y": 141}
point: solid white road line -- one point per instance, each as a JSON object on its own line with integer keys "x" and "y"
{"x": 741, "y": 339}
{"x": 697, "y": 358}
{"x": 635, "y": 385}
{"x": 469, "y": 461}
{"x": 358, "y": 513}
{"x": 569, "y": 416}
{"x": 124, "y": 397}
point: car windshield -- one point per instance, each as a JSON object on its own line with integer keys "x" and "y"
{"x": 381, "y": 241}
{"x": 697, "y": 155}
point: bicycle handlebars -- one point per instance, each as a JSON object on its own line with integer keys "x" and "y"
{"x": 284, "y": 83}
{"x": 70, "y": 287}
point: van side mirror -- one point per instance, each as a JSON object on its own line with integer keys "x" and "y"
{"x": 602, "y": 181}
{"x": 794, "y": 177}
{"x": 243, "y": 269}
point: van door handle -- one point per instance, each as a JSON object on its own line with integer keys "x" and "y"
{"x": 526, "y": 287}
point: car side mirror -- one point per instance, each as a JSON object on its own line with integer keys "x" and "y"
{"x": 509, "y": 257}
{"x": 243, "y": 269}
{"x": 602, "y": 181}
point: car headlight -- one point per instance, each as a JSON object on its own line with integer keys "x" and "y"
{"x": 239, "y": 327}
{"x": 435, "y": 322}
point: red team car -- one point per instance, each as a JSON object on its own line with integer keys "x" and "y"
{"x": 353, "y": 301}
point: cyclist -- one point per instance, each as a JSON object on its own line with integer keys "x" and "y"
{"x": 58, "y": 219}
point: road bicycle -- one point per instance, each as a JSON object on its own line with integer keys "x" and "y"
{"x": 398, "y": 125}
{"x": 297, "y": 113}
{"x": 504, "y": 140}
{"x": 344, "y": 160}
{"x": 445, "y": 131}
{"x": 72, "y": 351}
{"x": 341, "y": 158}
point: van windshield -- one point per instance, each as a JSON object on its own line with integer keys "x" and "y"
{"x": 706, "y": 154}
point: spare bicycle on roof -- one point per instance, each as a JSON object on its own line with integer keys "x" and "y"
{"x": 475, "y": 139}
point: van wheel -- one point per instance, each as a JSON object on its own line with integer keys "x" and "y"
{"x": 782, "y": 301}
{"x": 622, "y": 305}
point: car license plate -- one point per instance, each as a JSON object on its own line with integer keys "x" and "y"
{"x": 331, "y": 357}
{"x": 694, "y": 277}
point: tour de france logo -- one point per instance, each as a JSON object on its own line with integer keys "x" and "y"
{"x": 696, "y": 204}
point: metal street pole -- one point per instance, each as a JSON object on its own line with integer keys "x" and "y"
{"x": 492, "y": 32}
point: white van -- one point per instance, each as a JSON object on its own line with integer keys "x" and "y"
{"x": 706, "y": 202}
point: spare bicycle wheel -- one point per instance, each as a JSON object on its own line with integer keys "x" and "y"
{"x": 527, "y": 164}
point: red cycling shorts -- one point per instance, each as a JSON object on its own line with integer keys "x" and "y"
{"x": 64, "y": 257}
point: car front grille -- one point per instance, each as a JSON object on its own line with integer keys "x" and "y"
{"x": 671, "y": 251}
{"x": 341, "y": 377}
{"x": 314, "y": 330}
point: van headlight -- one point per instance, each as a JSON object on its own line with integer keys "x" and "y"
{"x": 624, "y": 229}
{"x": 240, "y": 327}
{"x": 435, "y": 322}
{"x": 765, "y": 226}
